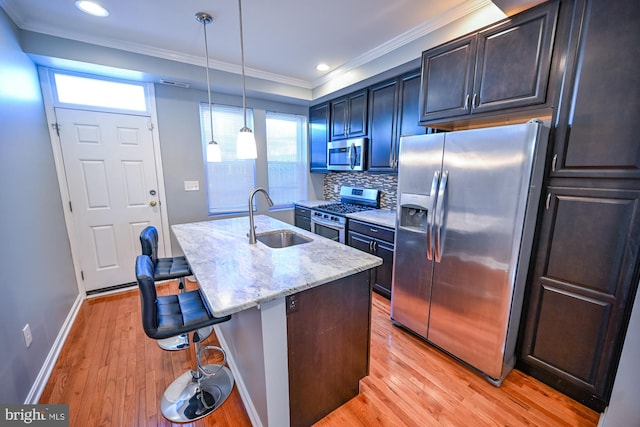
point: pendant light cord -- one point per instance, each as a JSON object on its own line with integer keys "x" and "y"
{"x": 244, "y": 89}
{"x": 206, "y": 55}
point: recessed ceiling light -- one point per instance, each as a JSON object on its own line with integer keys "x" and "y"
{"x": 92, "y": 8}
{"x": 322, "y": 67}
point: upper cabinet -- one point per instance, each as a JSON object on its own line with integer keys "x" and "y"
{"x": 318, "y": 137}
{"x": 598, "y": 126}
{"x": 349, "y": 116}
{"x": 500, "y": 68}
{"x": 393, "y": 112}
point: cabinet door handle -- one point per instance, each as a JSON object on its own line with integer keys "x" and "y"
{"x": 373, "y": 230}
{"x": 473, "y": 101}
{"x": 466, "y": 102}
{"x": 371, "y": 246}
{"x": 554, "y": 163}
{"x": 375, "y": 246}
{"x": 548, "y": 202}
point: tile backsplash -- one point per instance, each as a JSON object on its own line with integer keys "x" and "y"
{"x": 386, "y": 183}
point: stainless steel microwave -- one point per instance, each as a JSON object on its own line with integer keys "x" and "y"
{"x": 347, "y": 155}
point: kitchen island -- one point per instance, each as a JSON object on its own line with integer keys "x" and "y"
{"x": 298, "y": 339}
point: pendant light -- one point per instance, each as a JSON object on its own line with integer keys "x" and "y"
{"x": 213, "y": 148}
{"x": 246, "y": 143}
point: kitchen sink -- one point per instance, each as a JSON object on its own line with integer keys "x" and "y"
{"x": 282, "y": 238}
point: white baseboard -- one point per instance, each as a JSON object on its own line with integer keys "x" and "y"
{"x": 239, "y": 380}
{"x": 45, "y": 372}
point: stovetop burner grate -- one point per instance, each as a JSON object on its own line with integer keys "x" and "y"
{"x": 343, "y": 208}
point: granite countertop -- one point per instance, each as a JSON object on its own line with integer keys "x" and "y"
{"x": 312, "y": 203}
{"x": 234, "y": 275}
{"x": 382, "y": 217}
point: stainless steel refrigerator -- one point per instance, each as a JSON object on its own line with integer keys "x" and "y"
{"x": 467, "y": 205}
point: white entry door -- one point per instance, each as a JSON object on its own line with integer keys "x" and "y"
{"x": 110, "y": 169}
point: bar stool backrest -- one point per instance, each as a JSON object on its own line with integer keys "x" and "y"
{"x": 149, "y": 243}
{"x": 148, "y": 295}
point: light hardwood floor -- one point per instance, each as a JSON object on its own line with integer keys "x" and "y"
{"x": 111, "y": 374}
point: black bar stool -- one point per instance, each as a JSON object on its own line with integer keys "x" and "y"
{"x": 196, "y": 393}
{"x": 168, "y": 269}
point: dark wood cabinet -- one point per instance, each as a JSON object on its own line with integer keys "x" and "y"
{"x": 318, "y": 137}
{"x": 408, "y": 114}
{"x": 349, "y": 116}
{"x": 302, "y": 217}
{"x": 383, "y": 107}
{"x": 393, "y": 112}
{"x": 378, "y": 241}
{"x": 328, "y": 335}
{"x": 579, "y": 297}
{"x": 599, "y": 135}
{"x": 503, "y": 67}
{"x": 586, "y": 268}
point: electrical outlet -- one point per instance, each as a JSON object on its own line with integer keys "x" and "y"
{"x": 292, "y": 303}
{"x": 28, "y": 338}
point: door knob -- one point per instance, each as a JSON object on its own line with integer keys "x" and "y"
{"x": 153, "y": 203}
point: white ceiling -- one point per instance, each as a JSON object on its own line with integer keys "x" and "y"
{"x": 284, "y": 39}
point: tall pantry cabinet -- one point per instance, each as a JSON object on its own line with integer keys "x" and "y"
{"x": 585, "y": 272}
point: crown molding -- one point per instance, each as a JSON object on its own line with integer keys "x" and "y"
{"x": 462, "y": 10}
{"x": 142, "y": 49}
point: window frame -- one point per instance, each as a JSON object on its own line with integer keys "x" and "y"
{"x": 204, "y": 131}
{"x": 302, "y": 146}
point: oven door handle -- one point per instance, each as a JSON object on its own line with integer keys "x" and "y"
{"x": 329, "y": 224}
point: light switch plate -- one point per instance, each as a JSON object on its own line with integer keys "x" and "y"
{"x": 191, "y": 185}
{"x": 28, "y": 338}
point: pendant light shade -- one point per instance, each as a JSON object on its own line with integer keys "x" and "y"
{"x": 246, "y": 143}
{"x": 213, "y": 148}
{"x": 213, "y": 152}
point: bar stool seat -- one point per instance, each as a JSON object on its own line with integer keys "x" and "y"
{"x": 195, "y": 393}
{"x": 168, "y": 269}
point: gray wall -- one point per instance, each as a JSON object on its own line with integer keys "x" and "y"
{"x": 37, "y": 285}
{"x": 624, "y": 411}
{"x": 183, "y": 156}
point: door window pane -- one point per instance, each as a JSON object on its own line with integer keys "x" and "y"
{"x": 105, "y": 94}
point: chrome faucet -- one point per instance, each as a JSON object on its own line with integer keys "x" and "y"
{"x": 252, "y": 228}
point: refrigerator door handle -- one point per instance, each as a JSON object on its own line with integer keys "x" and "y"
{"x": 439, "y": 219}
{"x": 431, "y": 213}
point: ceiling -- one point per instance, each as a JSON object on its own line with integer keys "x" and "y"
{"x": 284, "y": 39}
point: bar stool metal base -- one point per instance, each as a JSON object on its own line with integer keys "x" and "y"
{"x": 188, "y": 399}
{"x": 180, "y": 342}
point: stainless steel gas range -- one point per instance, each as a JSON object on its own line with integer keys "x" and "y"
{"x": 330, "y": 220}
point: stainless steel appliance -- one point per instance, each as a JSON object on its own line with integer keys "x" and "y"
{"x": 330, "y": 220}
{"x": 347, "y": 155}
{"x": 467, "y": 204}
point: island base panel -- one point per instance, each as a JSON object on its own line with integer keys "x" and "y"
{"x": 328, "y": 334}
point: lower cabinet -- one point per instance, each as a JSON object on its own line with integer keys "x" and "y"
{"x": 303, "y": 218}
{"x": 582, "y": 291}
{"x": 379, "y": 242}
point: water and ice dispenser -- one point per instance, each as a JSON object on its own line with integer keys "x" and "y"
{"x": 414, "y": 209}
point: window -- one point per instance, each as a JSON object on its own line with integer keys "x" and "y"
{"x": 286, "y": 157}
{"x": 230, "y": 181}
{"x": 101, "y": 93}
